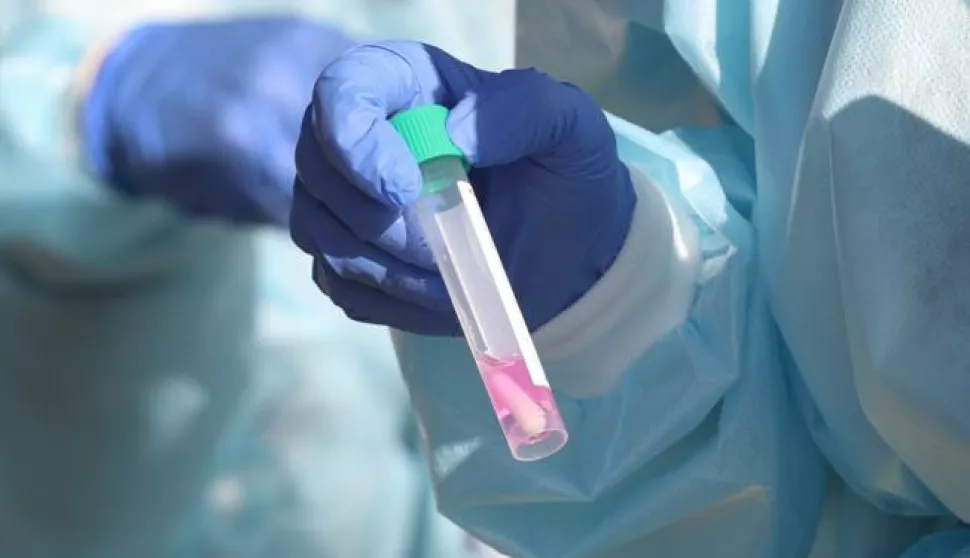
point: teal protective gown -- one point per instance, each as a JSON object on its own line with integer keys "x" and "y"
{"x": 776, "y": 366}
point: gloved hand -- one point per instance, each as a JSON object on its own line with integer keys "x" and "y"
{"x": 556, "y": 197}
{"x": 206, "y": 114}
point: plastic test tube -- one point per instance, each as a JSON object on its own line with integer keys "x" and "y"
{"x": 456, "y": 232}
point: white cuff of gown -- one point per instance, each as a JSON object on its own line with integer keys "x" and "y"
{"x": 646, "y": 293}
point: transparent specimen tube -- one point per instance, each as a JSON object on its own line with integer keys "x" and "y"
{"x": 490, "y": 318}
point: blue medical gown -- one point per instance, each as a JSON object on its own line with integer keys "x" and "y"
{"x": 812, "y": 397}
{"x": 747, "y": 417}
{"x": 174, "y": 389}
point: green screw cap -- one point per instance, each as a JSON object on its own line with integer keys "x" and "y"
{"x": 425, "y": 132}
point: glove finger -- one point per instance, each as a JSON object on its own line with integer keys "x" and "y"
{"x": 369, "y": 220}
{"x": 363, "y": 303}
{"x": 356, "y": 94}
{"x": 317, "y": 231}
{"x": 521, "y": 114}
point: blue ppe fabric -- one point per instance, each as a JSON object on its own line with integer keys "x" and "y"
{"x": 763, "y": 58}
{"x": 230, "y": 92}
{"x": 859, "y": 139}
{"x": 834, "y": 298}
{"x": 545, "y": 169}
{"x": 826, "y": 95}
{"x": 171, "y": 388}
{"x": 808, "y": 82}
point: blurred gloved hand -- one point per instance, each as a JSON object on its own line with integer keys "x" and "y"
{"x": 206, "y": 114}
{"x": 558, "y": 200}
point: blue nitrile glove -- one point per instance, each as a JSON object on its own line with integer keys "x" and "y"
{"x": 557, "y": 199}
{"x": 206, "y": 114}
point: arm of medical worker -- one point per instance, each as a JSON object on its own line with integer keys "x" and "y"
{"x": 201, "y": 115}
{"x": 632, "y": 268}
{"x": 58, "y": 224}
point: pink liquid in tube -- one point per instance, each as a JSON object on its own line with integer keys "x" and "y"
{"x": 527, "y": 412}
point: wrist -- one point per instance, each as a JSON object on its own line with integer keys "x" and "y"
{"x": 100, "y": 83}
{"x": 85, "y": 80}
{"x": 89, "y": 67}
{"x": 646, "y": 292}
{"x": 90, "y": 119}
